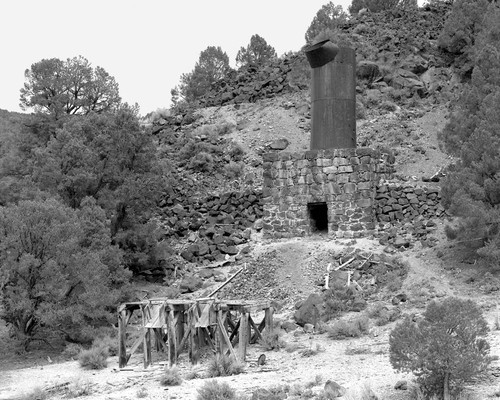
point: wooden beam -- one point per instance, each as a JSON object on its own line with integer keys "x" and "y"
{"x": 256, "y": 335}
{"x": 269, "y": 319}
{"x": 172, "y": 338}
{"x": 192, "y": 343}
{"x": 147, "y": 348}
{"x": 243, "y": 336}
{"x": 122, "y": 338}
{"x": 137, "y": 343}
{"x": 225, "y": 337}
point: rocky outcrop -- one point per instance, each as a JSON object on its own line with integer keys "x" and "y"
{"x": 215, "y": 226}
{"x": 251, "y": 83}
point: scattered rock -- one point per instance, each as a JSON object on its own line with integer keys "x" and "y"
{"x": 400, "y": 298}
{"x": 333, "y": 389}
{"x": 401, "y": 385}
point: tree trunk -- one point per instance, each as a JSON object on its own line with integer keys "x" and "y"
{"x": 446, "y": 387}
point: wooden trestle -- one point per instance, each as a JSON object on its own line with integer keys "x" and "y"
{"x": 227, "y": 326}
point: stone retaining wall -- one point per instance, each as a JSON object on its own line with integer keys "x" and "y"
{"x": 404, "y": 203}
{"x": 339, "y": 182}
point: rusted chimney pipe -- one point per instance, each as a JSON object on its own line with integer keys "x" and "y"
{"x": 333, "y": 95}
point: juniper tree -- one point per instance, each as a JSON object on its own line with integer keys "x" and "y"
{"x": 446, "y": 349}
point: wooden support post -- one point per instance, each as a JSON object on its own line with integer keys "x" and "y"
{"x": 269, "y": 319}
{"x": 122, "y": 338}
{"x": 193, "y": 343}
{"x": 243, "y": 335}
{"x": 147, "y": 348}
{"x": 172, "y": 338}
{"x": 219, "y": 344}
{"x": 179, "y": 329}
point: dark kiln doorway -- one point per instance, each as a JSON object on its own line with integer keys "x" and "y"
{"x": 318, "y": 217}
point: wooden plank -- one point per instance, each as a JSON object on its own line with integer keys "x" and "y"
{"x": 122, "y": 338}
{"x": 172, "y": 338}
{"x": 225, "y": 337}
{"x": 227, "y": 281}
{"x": 219, "y": 340}
{"x": 256, "y": 335}
{"x": 235, "y": 331}
{"x": 243, "y": 336}
{"x": 193, "y": 343}
{"x": 137, "y": 343}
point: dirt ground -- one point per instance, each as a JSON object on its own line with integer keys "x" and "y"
{"x": 430, "y": 276}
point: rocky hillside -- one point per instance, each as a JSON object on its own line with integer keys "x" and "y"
{"x": 403, "y": 85}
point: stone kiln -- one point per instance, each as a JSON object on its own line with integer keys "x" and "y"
{"x": 331, "y": 188}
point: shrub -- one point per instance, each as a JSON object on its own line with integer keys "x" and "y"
{"x": 94, "y": 358}
{"x": 272, "y": 340}
{"x": 79, "y": 387}
{"x": 224, "y": 366}
{"x": 301, "y": 392}
{"x": 213, "y": 390}
{"x": 460, "y": 30}
{"x": 233, "y": 170}
{"x": 142, "y": 392}
{"x": 107, "y": 342}
{"x": 171, "y": 377}
{"x": 344, "y": 329}
{"x": 291, "y": 347}
{"x": 202, "y": 162}
{"x": 329, "y": 16}
{"x": 365, "y": 392}
{"x": 72, "y": 350}
{"x": 312, "y": 350}
{"x": 445, "y": 349}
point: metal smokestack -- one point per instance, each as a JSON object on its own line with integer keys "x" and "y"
{"x": 333, "y": 96}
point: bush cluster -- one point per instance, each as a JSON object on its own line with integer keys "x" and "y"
{"x": 349, "y": 329}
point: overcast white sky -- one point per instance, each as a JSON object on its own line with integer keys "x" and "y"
{"x": 146, "y": 45}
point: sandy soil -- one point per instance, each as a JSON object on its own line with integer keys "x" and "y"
{"x": 428, "y": 278}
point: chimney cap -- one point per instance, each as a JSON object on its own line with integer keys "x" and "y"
{"x": 321, "y": 53}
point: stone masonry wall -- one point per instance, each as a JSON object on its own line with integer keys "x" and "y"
{"x": 404, "y": 203}
{"x": 344, "y": 179}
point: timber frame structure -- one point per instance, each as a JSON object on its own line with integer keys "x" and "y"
{"x": 172, "y": 325}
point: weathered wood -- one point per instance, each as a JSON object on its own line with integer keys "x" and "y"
{"x": 193, "y": 342}
{"x": 256, "y": 332}
{"x": 147, "y": 348}
{"x": 174, "y": 323}
{"x": 122, "y": 337}
{"x": 225, "y": 337}
{"x": 268, "y": 318}
{"x": 227, "y": 281}
{"x": 346, "y": 263}
{"x": 160, "y": 343}
{"x": 172, "y": 338}
{"x": 235, "y": 331}
{"x": 137, "y": 343}
{"x": 243, "y": 336}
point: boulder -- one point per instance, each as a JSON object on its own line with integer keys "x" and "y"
{"x": 309, "y": 311}
{"x": 190, "y": 284}
{"x": 401, "y": 385}
{"x": 333, "y": 389}
{"x": 279, "y": 144}
{"x": 367, "y": 70}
